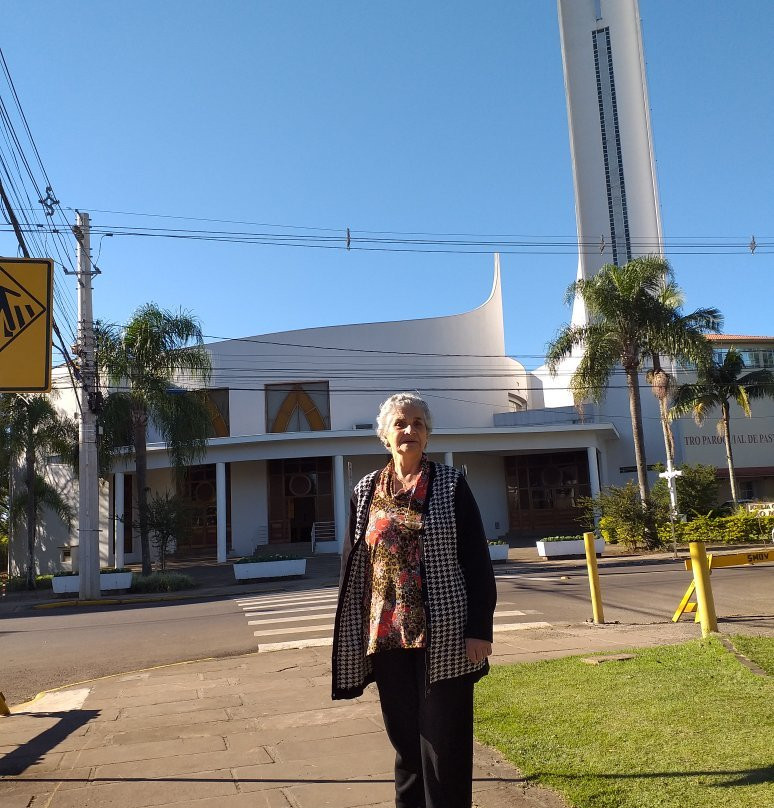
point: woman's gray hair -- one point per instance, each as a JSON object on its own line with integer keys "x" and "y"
{"x": 399, "y": 401}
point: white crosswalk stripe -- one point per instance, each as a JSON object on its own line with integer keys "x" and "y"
{"x": 297, "y": 620}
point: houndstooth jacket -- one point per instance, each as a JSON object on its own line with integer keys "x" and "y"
{"x": 458, "y": 583}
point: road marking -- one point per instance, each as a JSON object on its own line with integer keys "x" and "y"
{"x": 310, "y": 614}
{"x": 298, "y": 630}
{"x": 287, "y": 601}
{"x": 265, "y": 621}
{"x": 280, "y": 610}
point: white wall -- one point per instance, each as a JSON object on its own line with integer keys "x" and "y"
{"x": 353, "y": 372}
{"x": 486, "y": 478}
{"x": 249, "y": 506}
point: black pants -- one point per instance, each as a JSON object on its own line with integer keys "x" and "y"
{"x": 432, "y": 733}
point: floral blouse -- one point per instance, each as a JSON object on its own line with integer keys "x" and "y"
{"x": 396, "y": 612}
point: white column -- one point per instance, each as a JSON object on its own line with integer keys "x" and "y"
{"x": 111, "y": 524}
{"x": 220, "y": 505}
{"x": 339, "y": 500}
{"x": 448, "y": 458}
{"x": 591, "y": 453}
{"x": 118, "y": 517}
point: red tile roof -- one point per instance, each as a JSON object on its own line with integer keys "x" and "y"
{"x": 738, "y": 338}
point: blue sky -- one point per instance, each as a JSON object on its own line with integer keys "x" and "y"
{"x": 402, "y": 117}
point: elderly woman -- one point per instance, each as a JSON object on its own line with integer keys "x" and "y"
{"x": 415, "y": 611}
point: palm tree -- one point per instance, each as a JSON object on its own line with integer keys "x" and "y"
{"x": 717, "y": 385}
{"x": 144, "y": 359}
{"x": 33, "y": 429}
{"x": 631, "y": 317}
{"x": 684, "y": 343}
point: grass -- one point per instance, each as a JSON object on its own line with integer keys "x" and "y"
{"x": 676, "y": 726}
{"x": 759, "y": 650}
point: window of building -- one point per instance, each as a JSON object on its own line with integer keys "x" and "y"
{"x": 298, "y": 407}
{"x": 516, "y": 403}
{"x": 217, "y": 404}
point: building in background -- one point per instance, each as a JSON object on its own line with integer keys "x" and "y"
{"x": 294, "y": 416}
{"x": 752, "y": 439}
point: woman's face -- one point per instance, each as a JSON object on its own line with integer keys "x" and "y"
{"x": 407, "y": 435}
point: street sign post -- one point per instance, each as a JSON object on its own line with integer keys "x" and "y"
{"x": 26, "y": 304}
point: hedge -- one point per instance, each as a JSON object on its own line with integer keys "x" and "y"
{"x": 739, "y": 528}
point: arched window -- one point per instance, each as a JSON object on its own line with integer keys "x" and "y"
{"x": 297, "y": 407}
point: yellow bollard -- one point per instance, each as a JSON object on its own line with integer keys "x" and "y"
{"x": 3, "y": 706}
{"x": 701, "y": 576}
{"x": 591, "y": 562}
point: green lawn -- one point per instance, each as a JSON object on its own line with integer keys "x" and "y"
{"x": 758, "y": 649}
{"x": 682, "y": 726}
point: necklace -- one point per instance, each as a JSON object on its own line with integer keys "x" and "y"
{"x": 406, "y": 510}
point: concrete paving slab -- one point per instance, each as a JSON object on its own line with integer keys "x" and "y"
{"x": 168, "y": 733}
{"x": 188, "y": 718}
{"x": 271, "y": 798}
{"x": 149, "y": 751}
{"x": 345, "y": 794}
{"x": 375, "y": 741}
{"x": 340, "y": 711}
{"x": 176, "y": 708}
{"x": 171, "y": 765}
{"x": 137, "y": 792}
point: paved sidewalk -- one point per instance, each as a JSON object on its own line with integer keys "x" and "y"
{"x": 255, "y": 730}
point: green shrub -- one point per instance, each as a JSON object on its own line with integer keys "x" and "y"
{"x": 739, "y": 528}
{"x": 3, "y": 552}
{"x": 496, "y": 542}
{"x": 696, "y": 489}
{"x": 19, "y": 583}
{"x": 563, "y": 538}
{"x": 255, "y": 559}
{"x": 622, "y": 517}
{"x": 162, "y": 582}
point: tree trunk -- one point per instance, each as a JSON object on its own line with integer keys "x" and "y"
{"x": 635, "y": 410}
{"x": 726, "y": 421}
{"x": 139, "y": 427}
{"x": 31, "y": 503}
{"x": 661, "y": 384}
{"x": 666, "y": 428}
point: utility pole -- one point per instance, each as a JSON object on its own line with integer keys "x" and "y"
{"x": 88, "y": 473}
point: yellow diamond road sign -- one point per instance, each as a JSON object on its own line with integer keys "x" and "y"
{"x": 26, "y": 300}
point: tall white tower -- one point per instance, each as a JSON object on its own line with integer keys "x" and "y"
{"x": 616, "y": 196}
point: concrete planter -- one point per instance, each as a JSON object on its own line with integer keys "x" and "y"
{"x": 567, "y": 549}
{"x": 108, "y": 581}
{"x": 326, "y": 547}
{"x": 498, "y": 552}
{"x": 270, "y": 569}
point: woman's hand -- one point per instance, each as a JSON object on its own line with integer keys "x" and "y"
{"x": 477, "y": 650}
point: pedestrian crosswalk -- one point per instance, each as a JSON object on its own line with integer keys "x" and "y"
{"x": 304, "y": 619}
{"x": 277, "y": 620}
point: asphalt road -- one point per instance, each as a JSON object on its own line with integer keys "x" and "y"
{"x": 50, "y": 648}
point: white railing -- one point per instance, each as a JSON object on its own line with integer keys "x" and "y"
{"x": 323, "y": 532}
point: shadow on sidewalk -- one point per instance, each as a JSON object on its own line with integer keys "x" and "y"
{"x": 34, "y": 750}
